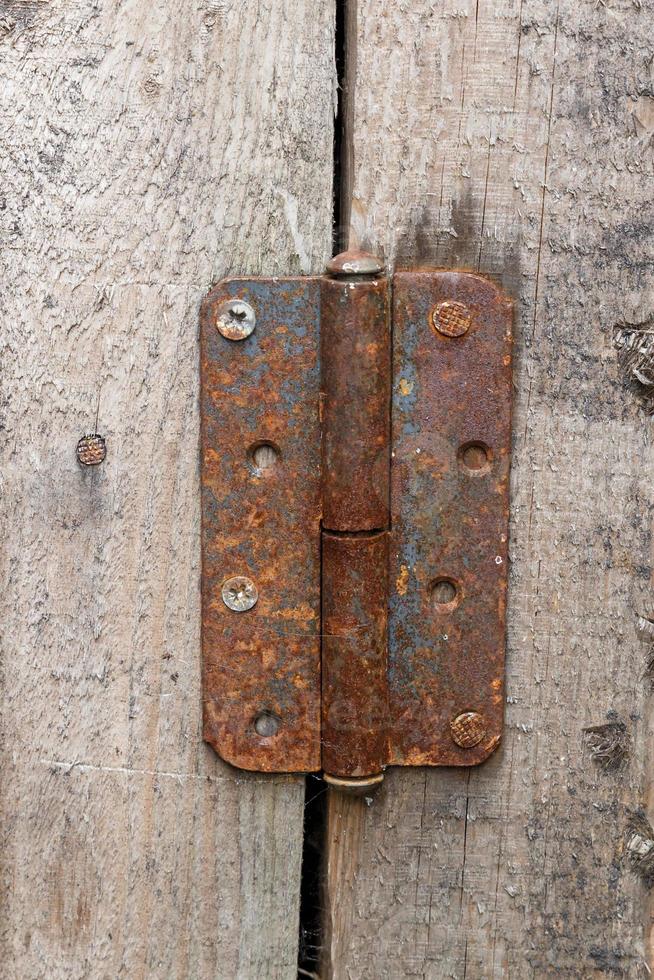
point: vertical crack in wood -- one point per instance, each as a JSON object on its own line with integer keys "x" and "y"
{"x": 314, "y": 959}
{"x": 545, "y": 170}
{"x": 311, "y": 944}
{"x": 345, "y": 59}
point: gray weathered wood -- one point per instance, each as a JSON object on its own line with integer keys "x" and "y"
{"x": 515, "y": 137}
{"x": 147, "y": 150}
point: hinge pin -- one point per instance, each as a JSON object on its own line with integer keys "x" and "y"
{"x": 355, "y": 263}
{"x": 353, "y": 785}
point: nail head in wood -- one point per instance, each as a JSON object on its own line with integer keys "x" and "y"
{"x": 91, "y": 450}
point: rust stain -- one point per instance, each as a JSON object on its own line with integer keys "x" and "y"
{"x": 303, "y": 613}
{"x": 402, "y": 581}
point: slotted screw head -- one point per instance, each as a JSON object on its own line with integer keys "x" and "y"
{"x": 91, "y": 450}
{"x": 452, "y": 319}
{"x": 239, "y": 593}
{"x": 468, "y": 729}
{"x": 235, "y": 319}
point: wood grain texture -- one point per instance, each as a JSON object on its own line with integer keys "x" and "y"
{"x": 148, "y": 149}
{"x": 515, "y": 137}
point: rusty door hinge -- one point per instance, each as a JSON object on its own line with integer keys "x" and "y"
{"x": 355, "y": 439}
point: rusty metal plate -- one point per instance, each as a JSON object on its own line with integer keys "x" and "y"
{"x": 449, "y": 511}
{"x": 260, "y": 449}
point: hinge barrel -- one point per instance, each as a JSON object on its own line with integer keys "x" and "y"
{"x": 355, "y": 397}
{"x": 356, "y": 394}
{"x": 355, "y": 711}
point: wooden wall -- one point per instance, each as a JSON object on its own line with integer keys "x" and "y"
{"x": 515, "y": 137}
{"x": 148, "y": 150}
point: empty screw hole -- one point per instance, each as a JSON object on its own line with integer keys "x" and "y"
{"x": 475, "y": 457}
{"x": 266, "y": 724}
{"x": 444, "y": 593}
{"x": 264, "y": 456}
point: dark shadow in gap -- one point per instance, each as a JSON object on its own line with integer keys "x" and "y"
{"x": 311, "y": 911}
{"x": 340, "y": 234}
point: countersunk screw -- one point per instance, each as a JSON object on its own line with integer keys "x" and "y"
{"x": 468, "y": 729}
{"x": 235, "y": 319}
{"x": 239, "y": 593}
{"x": 452, "y": 319}
{"x": 91, "y": 450}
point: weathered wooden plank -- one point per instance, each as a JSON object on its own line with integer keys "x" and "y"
{"x": 148, "y": 150}
{"x": 514, "y": 137}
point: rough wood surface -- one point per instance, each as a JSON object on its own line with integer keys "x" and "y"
{"x": 147, "y": 150}
{"x": 515, "y": 137}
